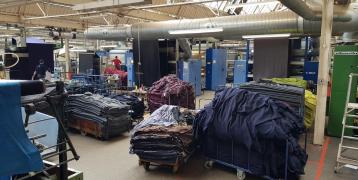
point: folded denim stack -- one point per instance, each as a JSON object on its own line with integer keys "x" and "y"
{"x": 163, "y": 137}
{"x": 293, "y": 96}
{"x": 251, "y": 131}
{"x": 171, "y": 90}
{"x": 109, "y": 114}
{"x": 136, "y": 104}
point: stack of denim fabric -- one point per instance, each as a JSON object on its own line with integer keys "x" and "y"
{"x": 136, "y": 104}
{"x": 252, "y": 131}
{"x": 293, "y": 96}
{"x": 173, "y": 91}
{"x": 163, "y": 137}
{"x": 111, "y": 115}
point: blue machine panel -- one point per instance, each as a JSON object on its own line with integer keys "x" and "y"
{"x": 310, "y": 69}
{"x": 240, "y": 72}
{"x": 130, "y": 68}
{"x": 190, "y": 71}
{"x": 215, "y": 68}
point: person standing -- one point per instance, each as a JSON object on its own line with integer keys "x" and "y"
{"x": 117, "y": 63}
{"x": 40, "y": 71}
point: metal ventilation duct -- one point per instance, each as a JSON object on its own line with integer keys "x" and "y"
{"x": 233, "y": 27}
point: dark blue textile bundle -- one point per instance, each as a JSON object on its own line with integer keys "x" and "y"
{"x": 250, "y": 130}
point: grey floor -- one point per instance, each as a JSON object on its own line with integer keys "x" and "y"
{"x": 110, "y": 160}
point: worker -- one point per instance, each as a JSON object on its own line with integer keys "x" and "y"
{"x": 40, "y": 71}
{"x": 117, "y": 63}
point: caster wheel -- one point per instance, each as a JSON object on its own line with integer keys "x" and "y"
{"x": 175, "y": 169}
{"x": 240, "y": 175}
{"x": 208, "y": 164}
{"x": 83, "y": 133}
{"x": 146, "y": 166}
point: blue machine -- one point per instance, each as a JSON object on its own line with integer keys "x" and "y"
{"x": 310, "y": 69}
{"x": 190, "y": 71}
{"x": 240, "y": 72}
{"x": 130, "y": 68}
{"x": 215, "y": 68}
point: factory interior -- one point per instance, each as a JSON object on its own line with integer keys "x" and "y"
{"x": 178, "y": 89}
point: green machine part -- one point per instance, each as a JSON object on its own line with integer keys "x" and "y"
{"x": 345, "y": 62}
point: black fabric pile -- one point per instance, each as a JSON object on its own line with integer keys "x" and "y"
{"x": 293, "y": 96}
{"x": 251, "y": 131}
{"x": 163, "y": 137}
{"x": 110, "y": 114}
{"x": 136, "y": 104}
{"x": 171, "y": 90}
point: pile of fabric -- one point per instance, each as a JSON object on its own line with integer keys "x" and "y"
{"x": 171, "y": 90}
{"x": 291, "y": 81}
{"x": 111, "y": 115}
{"x": 310, "y": 108}
{"x": 136, "y": 104}
{"x": 163, "y": 137}
{"x": 251, "y": 131}
{"x": 294, "y": 96}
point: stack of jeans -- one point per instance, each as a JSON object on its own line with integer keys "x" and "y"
{"x": 111, "y": 115}
{"x": 171, "y": 90}
{"x": 136, "y": 104}
{"x": 253, "y": 132}
{"x": 162, "y": 137}
{"x": 293, "y": 96}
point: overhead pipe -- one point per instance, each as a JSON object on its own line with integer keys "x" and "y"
{"x": 234, "y": 27}
{"x": 303, "y": 10}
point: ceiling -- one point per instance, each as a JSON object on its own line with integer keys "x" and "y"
{"x": 60, "y": 13}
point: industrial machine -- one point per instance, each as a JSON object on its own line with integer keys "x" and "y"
{"x": 310, "y": 73}
{"x": 130, "y": 68}
{"x": 345, "y": 62}
{"x": 240, "y": 72}
{"x": 190, "y": 71}
{"x": 215, "y": 68}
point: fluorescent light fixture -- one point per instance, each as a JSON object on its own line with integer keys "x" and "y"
{"x": 78, "y": 50}
{"x": 196, "y": 31}
{"x": 109, "y": 46}
{"x": 265, "y": 36}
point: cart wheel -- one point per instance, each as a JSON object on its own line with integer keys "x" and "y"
{"x": 140, "y": 162}
{"x": 240, "y": 174}
{"x": 175, "y": 168}
{"x": 83, "y": 133}
{"x": 208, "y": 164}
{"x": 146, "y": 165}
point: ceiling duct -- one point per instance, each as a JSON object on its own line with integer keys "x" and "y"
{"x": 234, "y": 27}
{"x": 303, "y": 10}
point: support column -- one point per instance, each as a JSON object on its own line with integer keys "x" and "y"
{"x": 323, "y": 71}
{"x": 67, "y": 58}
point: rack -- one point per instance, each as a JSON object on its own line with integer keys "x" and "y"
{"x": 53, "y": 98}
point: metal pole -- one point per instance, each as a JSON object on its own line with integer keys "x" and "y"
{"x": 323, "y": 71}
{"x": 67, "y": 58}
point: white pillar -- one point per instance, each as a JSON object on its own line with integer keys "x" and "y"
{"x": 323, "y": 70}
{"x": 67, "y": 58}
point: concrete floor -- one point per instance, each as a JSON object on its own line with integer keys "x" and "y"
{"x": 110, "y": 160}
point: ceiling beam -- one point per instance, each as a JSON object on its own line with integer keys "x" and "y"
{"x": 61, "y": 15}
{"x": 175, "y": 4}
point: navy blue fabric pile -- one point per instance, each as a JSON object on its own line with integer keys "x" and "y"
{"x": 250, "y": 130}
{"x": 173, "y": 91}
{"x": 110, "y": 114}
{"x": 294, "y": 96}
{"x": 162, "y": 137}
{"x": 136, "y": 104}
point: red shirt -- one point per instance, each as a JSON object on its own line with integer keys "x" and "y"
{"x": 116, "y": 62}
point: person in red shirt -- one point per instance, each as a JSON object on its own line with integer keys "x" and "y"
{"x": 117, "y": 63}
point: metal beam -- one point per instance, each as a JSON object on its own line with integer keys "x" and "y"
{"x": 176, "y": 4}
{"x": 42, "y": 11}
{"x": 323, "y": 71}
{"x": 61, "y": 15}
{"x": 107, "y": 4}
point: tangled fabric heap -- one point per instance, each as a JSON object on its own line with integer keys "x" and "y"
{"x": 136, "y": 104}
{"x": 251, "y": 131}
{"x": 162, "y": 137}
{"x": 171, "y": 90}
{"x": 110, "y": 114}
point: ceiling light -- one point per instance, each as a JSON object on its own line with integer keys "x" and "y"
{"x": 78, "y": 50}
{"x": 265, "y": 36}
{"x": 196, "y": 31}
